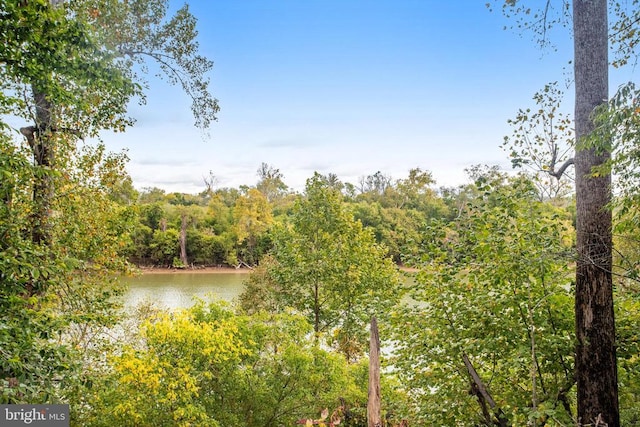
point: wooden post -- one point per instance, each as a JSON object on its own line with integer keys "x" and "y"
{"x": 373, "y": 406}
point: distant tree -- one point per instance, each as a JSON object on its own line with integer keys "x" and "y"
{"x": 413, "y": 188}
{"x": 219, "y": 216}
{"x": 374, "y": 185}
{"x": 350, "y": 191}
{"x": 333, "y": 181}
{"x": 271, "y": 182}
{"x": 151, "y": 215}
{"x": 210, "y": 183}
{"x": 184, "y": 222}
{"x": 228, "y": 196}
{"x": 398, "y": 230}
{"x": 252, "y": 217}
{"x": 152, "y": 195}
{"x": 184, "y": 199}
{"x": 164, "y": 247}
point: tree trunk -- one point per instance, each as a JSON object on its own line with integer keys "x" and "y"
{"x": 596, "y": 372}
{"x": 374, "y": 418}
{"x": 40, "y": 139}
{"x": 183, "y": 240}
{"x": 316, "y": 308}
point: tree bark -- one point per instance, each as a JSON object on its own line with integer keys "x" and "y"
{"x": 596, "y": 373}
{"x": 374, "y": 418}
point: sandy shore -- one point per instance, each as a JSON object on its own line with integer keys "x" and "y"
{"x": 198, "y": 270}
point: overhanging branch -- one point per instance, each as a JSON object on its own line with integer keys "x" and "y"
{"x": 558, "y": 173}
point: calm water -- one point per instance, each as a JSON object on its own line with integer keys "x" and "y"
{"x": 177, "y": 290}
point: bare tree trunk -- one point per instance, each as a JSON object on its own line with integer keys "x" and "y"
{"x": 596, "y": 372}
{"x": 183, "y": 240}
{"x": 479, "y": 389}
{"x": 374, "y": 417}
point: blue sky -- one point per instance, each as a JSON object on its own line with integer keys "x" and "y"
{"x": 346, "y": 87}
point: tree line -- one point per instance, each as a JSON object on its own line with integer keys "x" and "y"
{"x": 232, "y": 226}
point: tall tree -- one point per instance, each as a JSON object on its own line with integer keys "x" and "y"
{"x": 47, "y": 69}
{"x": 184, "y": 222}
{"x": 542, "y": 142}
{"x": 596, "y": 371}
{"x": 66, "y": 76}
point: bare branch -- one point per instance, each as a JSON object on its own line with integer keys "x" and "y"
{"x": 544, "y": 21}
{"x": 558, "y": 173}
{"x": 480, "y": 390}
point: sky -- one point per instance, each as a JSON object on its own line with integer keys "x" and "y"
{"x": 349, "y": 87}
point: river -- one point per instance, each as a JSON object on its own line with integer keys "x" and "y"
{"x": 177, "y": 290}
{"x": 173, "y": 290}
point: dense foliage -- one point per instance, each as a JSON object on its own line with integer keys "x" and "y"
{"x": 492, "y": 296}
{"x": 480, "y": 334}
{"x": 494, "y": 293}
{"x": 55, "y": 298}
{"x": 209, "y": 366}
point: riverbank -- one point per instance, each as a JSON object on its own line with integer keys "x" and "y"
{"x": 196, "y": 270}
{"x": 221, "y": 270}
